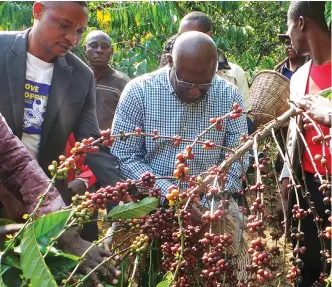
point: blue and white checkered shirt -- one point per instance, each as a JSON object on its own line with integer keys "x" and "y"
{"x": 150, "y": 102}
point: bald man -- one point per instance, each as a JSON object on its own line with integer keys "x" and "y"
{"x": 178, "y": 100}
{"x": 110, "y": 82}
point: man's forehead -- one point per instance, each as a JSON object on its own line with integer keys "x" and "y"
{"x": 62, "y": 10}
{"x": 189, "y": 25}
{"x": 98, "y": 38}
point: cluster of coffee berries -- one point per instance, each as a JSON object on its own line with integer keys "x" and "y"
{"x": 140, "y": 244}
{"x": 219, "y": 242}
{"x": 217, "y": 122}
{"x": 106, "y": 138}
{"x": 328, "y": 231}
{"x": 318, "y": 139}
{"x": 257, "y": 206}
{"x": 255, "y": 225}
{"x": 177, "y": 140}
{"x": 275, "y": 251}
{"x": 294, "y": 272}
{"x": 172, "y": 196}
{"x": 208, "y": 145}
{"x": 159, "y": 223}
{"x": 107, "y": 195}
{"x": 222, "y": 175}
{"x": 181, "y": 168}
{"x": 257, "y": 252}
{"x": 296, "y": 234}
{"x": 215, "y": 264}
{"x": 216, "y": 216}
{"x": 84, "y": 147}
{"x": 148, "y": 180}
{"x": 299, "y": 250}
{"x": 321, "y": 159}
{"x": 257, "y": 187}
{"x": 261, "y": 259}
{"x": 325, "y": 188}
{"x": 243, "y": 138}
{"x": 135, "y": 224}
{"x": 299, "y": 213}
{"x": 82, "y": 211}
{"x": 237, "y": 111}
{"x": 61, "y": 170}
{"x": 183, "y": 281}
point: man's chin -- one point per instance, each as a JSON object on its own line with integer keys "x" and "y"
{"x": 60, "y": 51}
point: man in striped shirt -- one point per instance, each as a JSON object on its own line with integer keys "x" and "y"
{"x": 178, "y": 100}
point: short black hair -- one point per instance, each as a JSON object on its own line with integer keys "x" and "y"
{"x": 201, "y": 18}
{"x": 168, "y": 48}
{"x": 313, "y": 10}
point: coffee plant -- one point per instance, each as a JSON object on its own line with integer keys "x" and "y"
{"x": 167, "y": 243}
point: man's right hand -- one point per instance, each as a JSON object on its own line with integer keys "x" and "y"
{"x": 280, "y": 212}
{"x": 70, "y": 242}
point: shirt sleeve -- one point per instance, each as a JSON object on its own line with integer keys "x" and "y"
{"x": 234, "y": 129}
{"x": 23, "y": 176}
{"x": 131, "y": 151}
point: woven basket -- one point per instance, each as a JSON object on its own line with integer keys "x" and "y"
{"x": 269, "y": 95}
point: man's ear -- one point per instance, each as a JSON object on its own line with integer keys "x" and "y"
{"x": 209, "y": 33}
{"x": 302, "y": 23}
{"x": 37, "y": 10}
{"x": 169, "y": 59}
{"x": 84, "y": 47}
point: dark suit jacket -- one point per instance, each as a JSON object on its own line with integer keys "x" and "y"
{"x": 71, "y": 106}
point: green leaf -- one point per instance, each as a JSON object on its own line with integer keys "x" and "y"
{"x": 49, "y": 226}
{"x": 327, "y": 93}
{"x": 134, "y": 209}
{"x": 12, "y": 260}
{"x": 167, "y": 280}
{"x": 32, "y": 261}
{"x": 60, "y": 263}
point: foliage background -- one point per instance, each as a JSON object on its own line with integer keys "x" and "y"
{"x": 246, "y": 31}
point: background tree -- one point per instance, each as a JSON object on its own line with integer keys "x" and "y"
{"x": 246, "y": 31}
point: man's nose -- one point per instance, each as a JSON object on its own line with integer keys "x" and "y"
{"x": 195, "y": 91}
{"x": 72, "y": 37}
{"x": 99, "y": 49}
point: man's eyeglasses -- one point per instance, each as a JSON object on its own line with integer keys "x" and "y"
{"x": 187, "y": 85}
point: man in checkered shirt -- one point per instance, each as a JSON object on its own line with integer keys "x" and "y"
{"x": 178, "y": 101}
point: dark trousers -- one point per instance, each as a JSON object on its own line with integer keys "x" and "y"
{"x": 311, "y": 257}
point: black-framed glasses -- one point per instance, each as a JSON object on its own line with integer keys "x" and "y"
{"x": 187, "y": 85}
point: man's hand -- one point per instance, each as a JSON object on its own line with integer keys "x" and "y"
{"x": 13, "y": 208}
{"x": 77, "y": 186}
{"x": 318, "y": 108}
{"x": 196, "y": 217}
{"x": 70, "y": 242}
{"x": 279, "y": 211}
